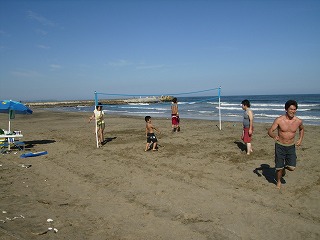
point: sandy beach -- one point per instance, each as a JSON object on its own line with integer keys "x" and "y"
{"x": 199, "y": 185}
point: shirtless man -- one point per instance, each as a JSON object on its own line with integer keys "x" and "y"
{"x": 285, "y": 152}
{"x": 175, "y": 115}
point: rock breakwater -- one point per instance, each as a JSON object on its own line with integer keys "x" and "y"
{"x": 75, "y": 103}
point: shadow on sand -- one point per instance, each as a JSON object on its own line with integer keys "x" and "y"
{"x": 268, "y": 173}
{"x": 31, "y": 144}
{"x": 108, "y": 140}
{"x": 241, "y": 146}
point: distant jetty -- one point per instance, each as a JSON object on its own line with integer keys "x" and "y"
{"x": 75, "y": 103}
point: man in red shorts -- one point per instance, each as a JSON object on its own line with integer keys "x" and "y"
{"x": 247, "y": 125}
{"x": 175, "y": 115}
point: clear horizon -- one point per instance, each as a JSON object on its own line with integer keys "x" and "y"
{"x": 66, "y": 50}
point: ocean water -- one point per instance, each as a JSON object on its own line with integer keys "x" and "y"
{"x": 265, "y": 108}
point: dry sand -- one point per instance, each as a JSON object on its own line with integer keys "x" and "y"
{"x": 199, "y": 185}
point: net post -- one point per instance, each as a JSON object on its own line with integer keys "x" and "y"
{"x": 219, "y": 93}
{"x": 96, "y": 127}
{"x": 95, "y": 98}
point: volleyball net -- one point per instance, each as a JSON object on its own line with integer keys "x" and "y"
{"x": 201, "y": 104}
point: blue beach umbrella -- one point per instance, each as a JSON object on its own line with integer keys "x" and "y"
{"x": 12, "y": 107}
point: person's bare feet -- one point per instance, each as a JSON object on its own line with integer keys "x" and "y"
{"x": 250, "y": 151}
{"x": 278, "y": 184}
{"x": 283, "y": 172}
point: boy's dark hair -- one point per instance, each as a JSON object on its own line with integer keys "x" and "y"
{"x": 245, "y": 103}
{"x": 174, "y": 100}
{"x": 289, "y": 103}
{"x": 147, "y": 118}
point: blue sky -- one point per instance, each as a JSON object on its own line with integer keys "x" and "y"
{"x": 67, "y": 49}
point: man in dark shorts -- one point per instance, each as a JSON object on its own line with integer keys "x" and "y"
{"x": 285, "y": 151}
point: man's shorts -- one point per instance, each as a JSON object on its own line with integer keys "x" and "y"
{"x": 174, "y": 119}
{"x": 285, "y": 156}
{"x": 151, "y": 138}
{"x": 246, "y": 137}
